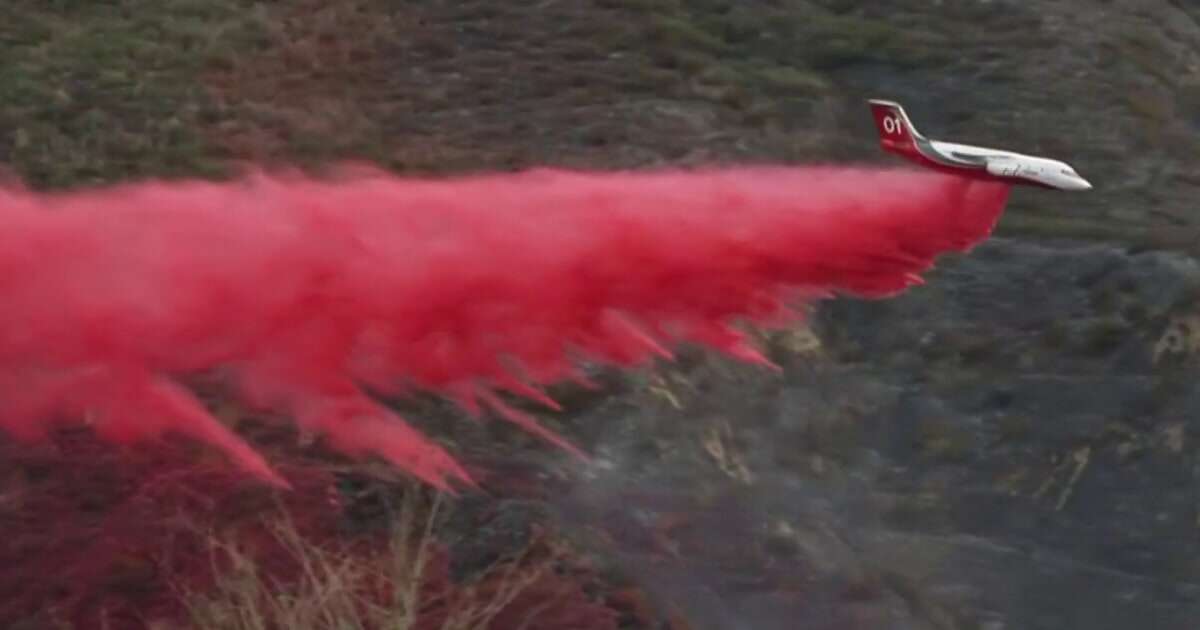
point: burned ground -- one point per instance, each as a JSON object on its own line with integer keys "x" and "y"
{"x": 1011, "y": 445}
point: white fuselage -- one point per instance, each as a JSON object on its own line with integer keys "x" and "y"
{"x": 1052, "y": 173}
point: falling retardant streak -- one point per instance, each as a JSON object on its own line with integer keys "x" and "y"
{"x": 312, "y": 295}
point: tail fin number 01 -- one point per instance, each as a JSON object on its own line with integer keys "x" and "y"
{"x": 891, "y": 124}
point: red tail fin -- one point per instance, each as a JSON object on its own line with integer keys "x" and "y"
{"x": 896, "y": 133}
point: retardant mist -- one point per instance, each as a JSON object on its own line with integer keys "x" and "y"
{"x": 311, "y": 295}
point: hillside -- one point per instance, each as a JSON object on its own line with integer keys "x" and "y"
{"x": 1012, "y": 445}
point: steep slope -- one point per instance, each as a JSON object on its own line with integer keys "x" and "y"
{"x": 998, "y": 449}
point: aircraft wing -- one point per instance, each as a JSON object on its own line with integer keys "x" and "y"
{"x": 950, "y": 153}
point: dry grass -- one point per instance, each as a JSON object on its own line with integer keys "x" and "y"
{"x": 403, "y": 587}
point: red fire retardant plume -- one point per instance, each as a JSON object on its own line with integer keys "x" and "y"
{"x": 311, "y": 294}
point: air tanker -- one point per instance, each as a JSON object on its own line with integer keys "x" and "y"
{"x": 898, "y": 135}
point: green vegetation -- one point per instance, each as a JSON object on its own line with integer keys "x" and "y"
{"x": 1144, "y": 49}
{"x": 1104, "y": 335}
{"x": 945, "y": 440}
{"x": 763, "y": 61}
{"x": 96, "y": 91}
{"x": 91, "y": 92}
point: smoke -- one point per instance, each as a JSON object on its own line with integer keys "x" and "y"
{"x": 311, "y": 295}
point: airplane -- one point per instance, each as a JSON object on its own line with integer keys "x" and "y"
{"x": 898, "y": 135}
